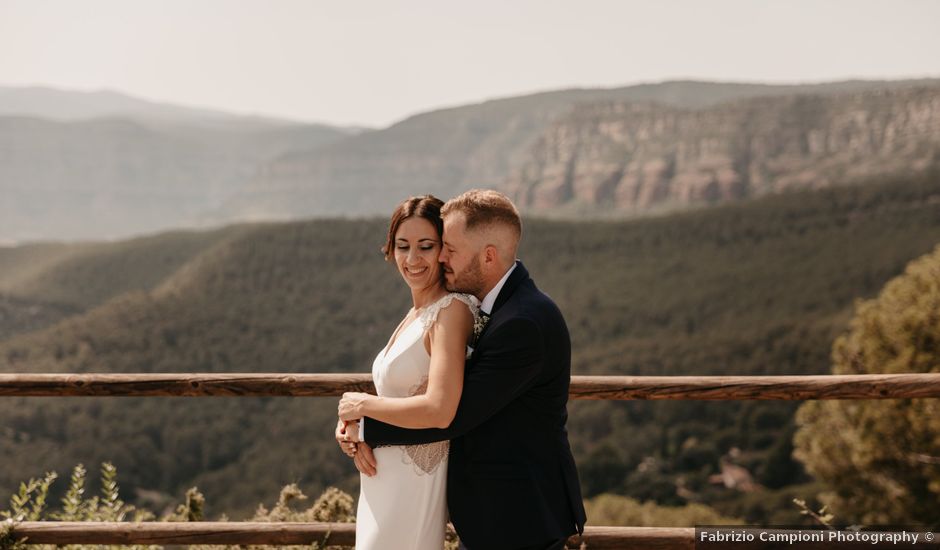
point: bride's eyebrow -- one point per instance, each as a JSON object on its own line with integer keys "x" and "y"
{"x": 404, "y": 240}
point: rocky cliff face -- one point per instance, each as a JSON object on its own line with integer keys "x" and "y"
{"x": 631, "y": 158}
{"x": 449, "y": 151}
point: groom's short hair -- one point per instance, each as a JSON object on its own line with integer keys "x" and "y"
{"x": 485, "y": 207}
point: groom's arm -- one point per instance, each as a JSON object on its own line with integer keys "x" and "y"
{"x": 511, "y": 361}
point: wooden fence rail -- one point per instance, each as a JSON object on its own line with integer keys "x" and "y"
{"x": 284, "y": 533}
{"x": 861, "y": 386}
{"x": 869, "y": 386}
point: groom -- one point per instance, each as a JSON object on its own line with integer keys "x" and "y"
{"x": 511, "y": 480}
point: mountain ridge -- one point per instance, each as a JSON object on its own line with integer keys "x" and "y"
{"x": 637, "y": 158}
{"x": 93, "y": 179}
{"x": 115, "y": 177}
{"x": 446, "y": 151}
{"x": 688, "y": 91}
{"x": 70, "y": 105}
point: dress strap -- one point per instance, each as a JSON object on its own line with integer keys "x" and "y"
{"x": 429, "y": 315}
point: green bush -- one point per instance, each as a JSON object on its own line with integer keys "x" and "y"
{"x": 29, "y": 504}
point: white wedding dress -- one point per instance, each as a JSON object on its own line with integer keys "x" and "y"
{"x": 404, "y": 505}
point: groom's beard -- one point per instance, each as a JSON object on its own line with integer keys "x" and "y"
{"x": 468, "y": 281}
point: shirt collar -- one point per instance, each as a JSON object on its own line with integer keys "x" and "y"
{"x": 486, "y": 306}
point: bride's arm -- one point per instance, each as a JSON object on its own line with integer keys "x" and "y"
{"x": 436, "y": 407}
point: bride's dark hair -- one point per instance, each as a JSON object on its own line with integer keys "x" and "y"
{"x": 425, "y": 206}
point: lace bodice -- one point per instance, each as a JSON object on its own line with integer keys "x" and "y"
{"x": 428, "y": 315}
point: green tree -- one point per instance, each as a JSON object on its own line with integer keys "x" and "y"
{"x": 881, "y": 459}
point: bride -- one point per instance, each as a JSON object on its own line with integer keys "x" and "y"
{"x": 419, "y": 378}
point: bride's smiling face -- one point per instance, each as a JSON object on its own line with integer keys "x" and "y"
{"x": 417, "y": 247}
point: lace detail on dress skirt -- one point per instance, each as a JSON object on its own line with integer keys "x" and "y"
{"x": 427, "y": 457}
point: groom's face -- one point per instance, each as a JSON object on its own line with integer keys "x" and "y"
{"x": 460, "y": 257}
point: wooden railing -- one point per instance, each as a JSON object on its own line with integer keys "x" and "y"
{"x": 281, "y": 533}
{"x": 875, "y": 386}
{"x": 855, "y": 386}
{"x": 344, "y": 534}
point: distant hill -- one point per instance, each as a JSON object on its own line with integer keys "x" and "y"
{"x": 635, "y": 158}
{"x": 758, "y": 287}
{"x": 114, "y": 177}
{"x": 447, "y": 151}
{"x": 72, "y": 105}
{"x": 41, "y": 284}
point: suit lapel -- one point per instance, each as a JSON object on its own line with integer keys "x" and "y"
{"x": 515, "y": 279}
{"x": 518, "y": 275}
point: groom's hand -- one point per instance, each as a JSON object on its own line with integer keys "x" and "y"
{"x": 348, "y": 447}
{"x": 346, "y": 432}
{"x": 346, "y": 444}
{"x": 364, "y": 459}
{"x": 361, "y": 453}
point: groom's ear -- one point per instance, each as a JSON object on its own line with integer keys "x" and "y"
{"x": 490, "y": 254}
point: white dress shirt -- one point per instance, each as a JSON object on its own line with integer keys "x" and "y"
{"x": 486, "y": 306}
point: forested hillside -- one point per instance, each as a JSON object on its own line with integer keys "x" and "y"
{"x": 760, "y": 287}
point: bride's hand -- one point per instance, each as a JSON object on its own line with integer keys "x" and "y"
{"x": 351, "y": 406}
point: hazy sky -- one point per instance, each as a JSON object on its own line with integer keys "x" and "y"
{"x": 374, "y": 62}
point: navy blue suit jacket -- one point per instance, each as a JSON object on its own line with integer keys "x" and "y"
{"x": 511, "y": 478}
